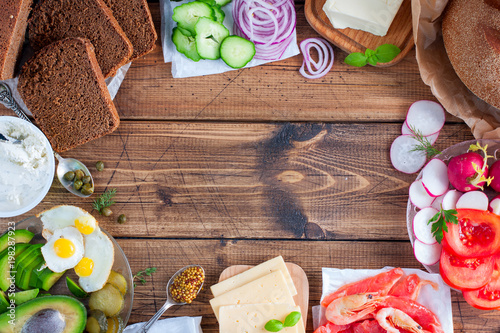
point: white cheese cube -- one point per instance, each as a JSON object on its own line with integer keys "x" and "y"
{"x": 252, "y": 318}
{"x": 373, "y": 16}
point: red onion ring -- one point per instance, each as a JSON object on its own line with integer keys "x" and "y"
{"x": 269, "y": 24}
{"x": 316, "y": 69}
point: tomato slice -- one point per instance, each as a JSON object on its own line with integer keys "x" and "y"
{"x": 487, "y": 297}
{"x": 465, "y": 273}
{"x": 477, "y": 234}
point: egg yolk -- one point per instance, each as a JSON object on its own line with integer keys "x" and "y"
{"x": 84, "y": 267}
{"x": 64, "y": 248}
{"x": 84, "y": 224}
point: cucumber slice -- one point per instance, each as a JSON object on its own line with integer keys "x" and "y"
{"x": 209, "y": 36}
{"x": 237, "y": 51}
{"x": 185, "y": 32}
{"x": 222, "y": 2}
{"x": 211, "y": 3}
{"x": 185, "y": 44}
{"x": 219, "y": 14}
{"x": 187, "y": 15}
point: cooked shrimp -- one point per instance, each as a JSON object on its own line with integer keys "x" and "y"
{"x": 390, "y": 318}
{"x": 348, "y": 309}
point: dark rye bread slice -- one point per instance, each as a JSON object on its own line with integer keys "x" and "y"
{"x": 135, "y": 19}
{"x": 53, "y": 20}
{"x": 63, "y": 87}
{"x": 13, "y": 21}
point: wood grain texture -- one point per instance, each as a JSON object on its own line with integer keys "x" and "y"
{"x": 299, "y": 278}
{"x": 250, "y": 180}
{"x": 215, "y": 255}
{"x": 352, "y": 40}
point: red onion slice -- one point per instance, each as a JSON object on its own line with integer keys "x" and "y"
{"x": 316, "y": 69}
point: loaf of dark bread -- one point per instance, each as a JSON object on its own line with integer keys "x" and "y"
{"x": 135, "y": 19}
{"x": 63, "y": 87}
{"x": 53, "y": 20}
{"x": 13, "y": 22}
{"x": 471, "y": 34}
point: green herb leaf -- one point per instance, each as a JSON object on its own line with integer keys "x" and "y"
{"x": 387, "y": 52}
{"x": 370, "y": 52}
{"x": 292, "y": 319}
{"x": 423, "y": 144}
{"x": 140, "y": 275}
{"x": 439, "y": 221}
{"x": 373, "y": 60}
{"x": 105, "y": 200}
{"x": 274, "y": 325}
{"x": 356, "y": 59}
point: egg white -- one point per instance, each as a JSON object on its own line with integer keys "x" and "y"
{"x": 60, "y": 217}
{"x": 56, "y": 263}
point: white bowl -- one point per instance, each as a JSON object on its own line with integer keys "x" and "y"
{"x": 47, "y": 182}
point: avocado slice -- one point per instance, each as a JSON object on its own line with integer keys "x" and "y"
{"x": 23, "y": 296}
{"x": 26, "y": 272}
{"x": 23, "y": 266}
{"x": 4, "y": 303}
{"x": 55, "y": 314}
{"x": 5, "y": 265}
{"x": 34, "y": 277}
{"x": 19, "y": 236}
{"x": 75, "y": 289}
{"x": 47, "y": 278}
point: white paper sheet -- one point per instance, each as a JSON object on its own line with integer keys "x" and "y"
{"x": 438, "y": 301}
{"x": 184, "y": 67}
{"x": 170, "y": 325}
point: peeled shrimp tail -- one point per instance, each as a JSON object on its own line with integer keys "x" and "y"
{"x": 348, "y": 309}
{"x": 390, "y": 318}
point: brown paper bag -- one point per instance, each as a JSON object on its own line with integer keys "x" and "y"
{"x": 437, "y": 72}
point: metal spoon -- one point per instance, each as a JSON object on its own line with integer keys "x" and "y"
{"x": 170, "y": 301}
{"x": 65, "y": 164}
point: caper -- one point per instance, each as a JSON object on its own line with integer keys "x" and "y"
{"x": 87, "y": 189}
{"x": 77, "y": 185}
{"x": 122, "y": 219}
{"x": 106, "y": 211}
{"x": 69, "y": 176}
{"x": 99, "y": 165}
{"x": 86, "y": 179}
{"x": 79, "y": 174}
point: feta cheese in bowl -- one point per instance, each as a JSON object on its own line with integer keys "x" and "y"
{"x": 27, "y": 168}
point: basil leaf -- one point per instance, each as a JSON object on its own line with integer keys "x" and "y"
{"x": 274, "y": 325}
{"x": 373, "y": 60}
{"x": 370, "y": 52}
{"x": 387, "y": 52}
{"x": 292, "y": 319}
{"x": 356, "y": 59}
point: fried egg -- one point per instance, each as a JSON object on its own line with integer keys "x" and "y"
{"x": 65, "y": 216}
{"x": 64, "y": 249}
{"x": 97, "y": 260}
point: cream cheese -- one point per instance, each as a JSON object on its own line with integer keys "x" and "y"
{"x": 24, "y": 167}
{"x": 373, "y": 16}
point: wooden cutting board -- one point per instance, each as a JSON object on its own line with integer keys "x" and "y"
{"x": 299, "y": 280}
{"x": 351, "y": 40}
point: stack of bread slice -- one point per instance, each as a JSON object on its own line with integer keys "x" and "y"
{"x": 247, "y": 301}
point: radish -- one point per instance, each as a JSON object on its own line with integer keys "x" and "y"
{"x": 425, "y": 253}
{"x": 450, "y": 199}
{"x": 421, "y": 226}
{"x": 495, "y": 205}
{"x": 426, "y": 117}
{"x": 495, "y": 174}
{"x": 438, "y": 202}
{"x": 405, "y": 130}
{"x": 402, "y": 158}
{"x": 419, "y": 196}
{"x": 469, "y": 171}
{"x": 473, "y": 200}
{"x": 435, "y": 177}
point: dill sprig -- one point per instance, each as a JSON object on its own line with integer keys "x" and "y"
{"x": 105, "y": 200}
{"x": 423, "y": 143}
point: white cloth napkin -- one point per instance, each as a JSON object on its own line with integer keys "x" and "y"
{"x": 184, "y": 67}
{"x": 171, "y": 325}
{"x": 438, "y": 301}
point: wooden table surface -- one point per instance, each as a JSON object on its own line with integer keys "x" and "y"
{"x": 240, "y": 167}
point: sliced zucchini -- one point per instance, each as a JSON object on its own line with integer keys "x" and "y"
{"x": 187, "y": 15}
{"x": 237, "y": 51}
{"x": 209, "y": 36}
{"x": 185, "y": 44}
{"x": 109, "y": 300}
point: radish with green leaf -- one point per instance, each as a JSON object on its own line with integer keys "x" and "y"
{"x": 469, "y": 171}
{"x": 421, "y": 226}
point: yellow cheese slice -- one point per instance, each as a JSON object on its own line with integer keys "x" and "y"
{"x": 271, "y": 288}
{"x": 254, "y": 273}
{"x": 252, "y": 318}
